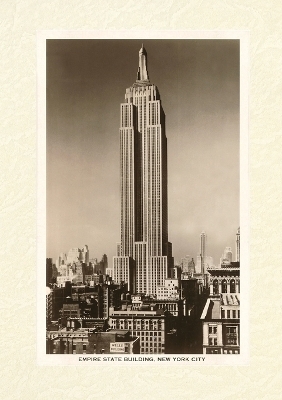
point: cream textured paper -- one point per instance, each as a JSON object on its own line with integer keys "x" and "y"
{"x": 21, "y": 378}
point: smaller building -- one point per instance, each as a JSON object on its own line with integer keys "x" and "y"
{"x": 149, "y": 325}
{"x": 225, "y": 279}
{"x": 170, "y": 290}
{"x": 84, "y": 341}
{"x": 61, "y": 280}
{"x": 109, "y": 272}
{"x": 49, "y": 305}
{"x": 221, "y": 324}
{"x": 70, "y": 310}
{"x": 137, "y": 301}
{"x": 113, "y": 342}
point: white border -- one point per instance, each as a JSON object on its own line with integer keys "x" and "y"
{"x": 220, "y": 360}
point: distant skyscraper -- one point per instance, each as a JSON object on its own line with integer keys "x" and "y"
{"x": 185, "y": 262}
{"x": 226, "y": 257}
{"x": 238, "y": 245}
{"x": 75, "y": 255}
{"x": 203, "y": 260}
{"x": 144, "y": 251}
{"x": 227, "y": 254}
{"x": 203, "y": 251}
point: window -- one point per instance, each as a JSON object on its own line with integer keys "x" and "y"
{"x": 213, "y": 351}
{"x": 215, "y": 286}
{"x": 232, "y": 286}
{"x": 228, "y": 313}
{"x": 234, "y": 313}
{"x": 222, "y": 313}
{"x": 231, "y": 335}
{"x": 224, "y": 286}
{"x": 212, "y": 341}
{"x": 212, "y": 329}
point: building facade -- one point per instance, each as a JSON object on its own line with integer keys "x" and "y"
{"x": 82, "y": 341}
{"x": 144, "y": 245}
{"x": 170, "y": 290}
{"x": 221, "y": 314}
{"x": 221, "y": 324}
{"x": 149, "y": 326}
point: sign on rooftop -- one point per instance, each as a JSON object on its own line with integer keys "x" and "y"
{"x": 117, "y": 347}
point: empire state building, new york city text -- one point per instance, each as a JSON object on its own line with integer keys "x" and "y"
{"x": 144, "y": 254}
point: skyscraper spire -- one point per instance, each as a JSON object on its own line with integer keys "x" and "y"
{"x": 142, "y": 74}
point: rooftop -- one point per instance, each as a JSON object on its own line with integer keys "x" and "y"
{"x": 230, "y": 299}
{"x": 212, "y": 309}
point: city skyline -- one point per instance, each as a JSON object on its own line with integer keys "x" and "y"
{"x": 199, "y": 84}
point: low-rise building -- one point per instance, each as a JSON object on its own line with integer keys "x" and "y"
{"x": 70, "y": 310}
{"x": 171, "y": 306}
{"x": 84, "y": 341}
{"x": 149, "y": 325}
{"x": 221, "y": 324}
{"x": 221, "y": 314}
{"x": 225, "y": 279}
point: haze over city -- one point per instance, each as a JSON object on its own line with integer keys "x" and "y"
{"x": 199, "y": 85}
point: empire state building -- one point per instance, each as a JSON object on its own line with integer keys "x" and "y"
{"x": 144, "y": 254}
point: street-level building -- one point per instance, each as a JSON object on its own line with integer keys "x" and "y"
{"x": 83, "y": 341}
{"x": 221, "y": 314}
{"x": 221, "y": 324}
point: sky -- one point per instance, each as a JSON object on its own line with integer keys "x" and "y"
{"x": 198, "y": 81}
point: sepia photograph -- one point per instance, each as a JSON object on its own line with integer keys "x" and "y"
{"x": 140, "y": 199}
{"x": 141, "y": 161}
{"x": 143, "y": 198}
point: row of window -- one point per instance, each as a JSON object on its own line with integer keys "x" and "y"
{"x": 218, "y": 351}
{"x": 147, "y": 345}
{"x": 147, "y": 333}
{"x": 143, "y": 327}
{"x": 224, "y": 286}
{"x": 152, "y": 339}
{"x": 228, "y": 342}
{"x": 229, "y": 314}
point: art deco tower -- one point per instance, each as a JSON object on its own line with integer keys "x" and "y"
{"x": 144, "y": 253}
